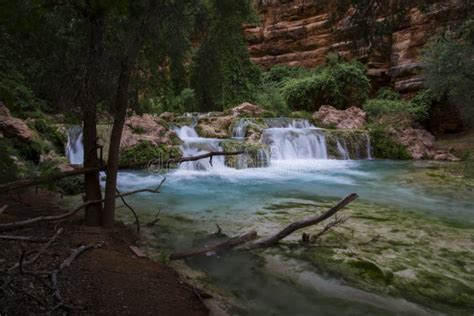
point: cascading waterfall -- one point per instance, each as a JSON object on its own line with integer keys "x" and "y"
{"x": 298, "y": 139}
{"x": 75, "y": 147}
{"x": 342, "y": 149}
{"x": 240, "y": 129}
{"x": 193, "y": 145}
{"x": 286, "y": 139}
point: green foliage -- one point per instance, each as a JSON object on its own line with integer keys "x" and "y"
{"x": 280, "y": 74}
{"x": 222, "y": 74}
{"x": 70, "y": 185}
{"x": 270, "y": 98}
{"x": 49, "y": 132}
{"x": 340, "y": 85}
{"x": 449, "y": 70}
{"x": 417, "y": 110}
{"x": 384, "y": 147}
{"x": 8, "y": 168}
{"x": 145, "y": 151}
{"x": 388, "y": 94}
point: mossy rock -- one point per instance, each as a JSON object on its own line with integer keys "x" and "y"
{"x": 254, "y": 156}
{"x": 145, "y": 151}
{"x": 384, "y": 147}
{"x": 356, "y": 142}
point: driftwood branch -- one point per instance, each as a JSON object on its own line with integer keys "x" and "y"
{"x": 229, "y": 244}
{"x": 35, "y": 220}
{"x": 137, "y": 221}
{"x": 3, "y": 208}
{"x": 275, "y": 238}
{"x": 23, "y": 238}
{"x": 39, "y": 253}
{"x": 66, "y": 263}
{"x": 272, "y": 239}
{"x": 203, "y": 156}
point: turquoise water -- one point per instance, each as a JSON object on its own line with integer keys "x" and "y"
{"x": 240, "y": 200}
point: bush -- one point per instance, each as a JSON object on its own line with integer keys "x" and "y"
{"x": 340, "y": 85}
{"x": 270, "y": 98}
{"x": 388, "y": 94}
{"x": 417, "y": 109}
{"x": 51, "y": 133}
{"x": 280, "y": 73}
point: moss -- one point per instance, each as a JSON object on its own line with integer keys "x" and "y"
{"x": 355, "y": 142}
{"x": 384, "y": 147}
{"x": 50, "y": 132}
{"x": 252, "y": 157}
{"x": 145, "y": 151}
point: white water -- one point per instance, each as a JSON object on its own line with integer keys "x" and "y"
{"x": 193, "y": 145}
{"x": 75, "y": 147}
{"x": 240, "y": 129}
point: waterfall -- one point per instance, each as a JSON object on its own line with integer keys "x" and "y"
{"x": 75, "y": 147}
{"x": 193, "y": 145}
{"x": 342, "y": 149}
{"x": 369, "y": 147}
{"x": 240, "y": 129}
{"x": 295, "y": 143}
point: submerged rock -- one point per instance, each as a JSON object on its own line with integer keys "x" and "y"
{"x": 329, "y": 117}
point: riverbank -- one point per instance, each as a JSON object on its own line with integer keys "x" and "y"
{"x": 106, "y": 280}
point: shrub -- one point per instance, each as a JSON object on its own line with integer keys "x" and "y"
{"x": 388, "y": 94}
{"x": 417, "y": 109}
{"x": 384, "y": 147}
{"x": 270, "y": 98}
{"x": 281, "y": 73}
{"x": 340, "y": 85}
{"x": 51, "y": 133}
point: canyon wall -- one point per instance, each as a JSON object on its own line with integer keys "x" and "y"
{"x": 299, "y": 33}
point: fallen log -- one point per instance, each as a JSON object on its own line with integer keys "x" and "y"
{"x": 229, "y": 244}
{"x": 275, "y": 238}
{"x": 21, "y": 184}
{"x": 272, "y": 239}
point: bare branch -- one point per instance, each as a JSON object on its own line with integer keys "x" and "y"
{"x": 229, "y": 244}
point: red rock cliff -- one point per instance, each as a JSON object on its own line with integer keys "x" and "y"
{"x": 298, "y": 33}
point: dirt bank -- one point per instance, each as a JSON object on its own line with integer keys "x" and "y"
{"x": 108, "y": 279}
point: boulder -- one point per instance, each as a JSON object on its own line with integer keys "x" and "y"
{"x": 352, "y": 118}
{"x": 147, "y": 128}
{"x": 418, "y": 142}
{"x": 215, "y": 127}
{"x": 247, "y": 109}
{"x": 4, "y": 111}
{"x": 13, "y": 127}
{"x": 167, "y": 116}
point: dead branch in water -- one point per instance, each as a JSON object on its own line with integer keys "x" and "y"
{"x": 272, "y": 239}
{"x": 137, "y": 221}
{"x": 275, "y": 238}
{"x": 73, "y": 212}
{"x": 3, "y": 208}
{"x": 229, "y": 244}
{"x": 23, "y": 238}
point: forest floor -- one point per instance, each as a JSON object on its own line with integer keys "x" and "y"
{"x": 107, "y": 279}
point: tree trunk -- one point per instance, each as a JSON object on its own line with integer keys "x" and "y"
{"x": 119, "y": 109}
{"x": 89, "y": 107}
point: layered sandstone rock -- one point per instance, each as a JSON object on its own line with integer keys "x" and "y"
{"x": 352, "y": 118}
{"x": 298, "y": 33}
